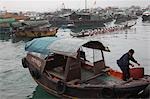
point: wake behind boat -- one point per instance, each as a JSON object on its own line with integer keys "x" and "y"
{"x": 63, "y": 68}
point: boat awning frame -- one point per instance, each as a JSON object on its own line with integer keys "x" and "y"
{"x": 68, "y": 46}
{"x": 71, "y": 46}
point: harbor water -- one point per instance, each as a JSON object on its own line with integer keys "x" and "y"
{"x": 17, "y": 83}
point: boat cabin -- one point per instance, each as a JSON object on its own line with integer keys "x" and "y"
{"x": 67, "y": 59}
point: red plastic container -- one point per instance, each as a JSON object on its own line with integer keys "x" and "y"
{"x": 137, "y": 72}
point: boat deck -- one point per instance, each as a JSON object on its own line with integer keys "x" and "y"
{"x": 105, "y": 79}
{"x": 58, "y": 72}
{"x": 88, "y": 77}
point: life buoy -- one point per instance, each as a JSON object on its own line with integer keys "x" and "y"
{"x": 35, "y": 74}
{"x": 61, "y": 87}
{"x": 24, "y": 63}
{"x": 107, "y": 93}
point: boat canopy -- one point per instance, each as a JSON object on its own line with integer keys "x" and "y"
{"x": 8, "y": 20}
{"x": 146, "y": 13}
{"x": 30, "y": 23}
{"x": 40, "y": 45}
{"x": 71, "y": 46}
{"x": 67, "y": 46}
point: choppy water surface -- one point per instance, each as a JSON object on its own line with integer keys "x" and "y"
{"x": 16, "y": 82}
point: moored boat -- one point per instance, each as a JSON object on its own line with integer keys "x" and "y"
{"x": 5, "y": 25}
{"x": 146, "y": 16}
{"x": 33, "y": 29}
{"x": 40, "y": 33}
{"x": 63, "y": 68}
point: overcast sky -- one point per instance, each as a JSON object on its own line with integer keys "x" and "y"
{"x": 52, "y": 5}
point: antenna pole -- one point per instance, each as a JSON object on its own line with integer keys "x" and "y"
{"x": 85, "y": 4}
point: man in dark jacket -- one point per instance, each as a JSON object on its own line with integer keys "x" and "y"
{"x": 124, "y": 63}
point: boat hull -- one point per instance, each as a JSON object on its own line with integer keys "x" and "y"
{"x": 52, "y": 86}
{"x": 146, "y": 18}
{"x": 134, "y": 90}
{"x": 36, "y": 34}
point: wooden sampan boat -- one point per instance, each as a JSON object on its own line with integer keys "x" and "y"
{"x": 62, "y": 67}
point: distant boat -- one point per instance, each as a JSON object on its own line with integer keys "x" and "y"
{"x": 69, "y": 25}
{"x": 88, "y": 23}
{"x": 146, "y": 16}
{"x": 101, "y": 30}
{"x": 5, "y": 25}
{"x": 62, "y": 68}
{"x": 80, "y": 34}
{"x": 15, "y": 16}
{"x": 123, "y": 17}
{"x": 77, "y": 20}
{"x": 33, "y": 29}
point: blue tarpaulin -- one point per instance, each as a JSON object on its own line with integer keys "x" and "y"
{"x": 40, "y": 45}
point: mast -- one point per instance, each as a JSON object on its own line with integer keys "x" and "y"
{"x": 63, "y": 5}
{"x": 85, "y": 4}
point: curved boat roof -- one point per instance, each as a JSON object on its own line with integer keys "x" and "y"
{"x": 30, "y": 23}
{"x": 8, "y": 20}
{"x": 40, "y": 45}
{"x": 68, "y": 46}
{"x": 146, "y": 13}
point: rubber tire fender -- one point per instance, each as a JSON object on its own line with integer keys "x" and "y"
{"x": 61, "y": 87}
{"x": 24, "y": 63}
{"x": 36, "y": 74}
{"x": 107, "y": 93}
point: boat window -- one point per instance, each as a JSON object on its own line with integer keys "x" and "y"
{"x": 55, "y": 65}
{"x": 91, "y": 55}
{"x": 55, "y": 60}
{"x": 82, "y": 55}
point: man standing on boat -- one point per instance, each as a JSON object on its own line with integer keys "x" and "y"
{"x": 124, "y": 63}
